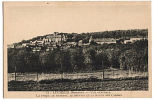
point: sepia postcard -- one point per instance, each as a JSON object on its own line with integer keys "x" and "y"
{"x": 77, "y": 49}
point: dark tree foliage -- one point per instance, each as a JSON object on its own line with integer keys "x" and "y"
{"x": 121, "y": 34}
{"x": 66, "y": 61}
{"x": 23, "y": 61}
{"x": 135, "y": 58}
{"x": 77, "y": 59}
{"x": 101, "y": 61}
{"x": 114, "y": 60}
{"x": 92, "y": 54}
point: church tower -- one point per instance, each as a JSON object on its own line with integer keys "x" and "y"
{"x": 91, "y": 39}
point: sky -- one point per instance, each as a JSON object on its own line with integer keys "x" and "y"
{"x": 24, "y": 21}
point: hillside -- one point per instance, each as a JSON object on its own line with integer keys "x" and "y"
{"x": 105, "y": 34}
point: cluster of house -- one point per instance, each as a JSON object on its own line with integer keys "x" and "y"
{"x": 55, "y": 40}
{"x": 112, "y": 40}
{"x": 50, "y": 41}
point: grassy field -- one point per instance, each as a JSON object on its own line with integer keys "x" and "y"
{"x": 90, "y": 84}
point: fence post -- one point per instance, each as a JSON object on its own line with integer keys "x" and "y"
{"x": 103, "y": 74}
{"x": 15, "y": 73}
{"x": 103, "y": 70}
{"x": 37, "y": 76}
{"x": 113, "y": 73}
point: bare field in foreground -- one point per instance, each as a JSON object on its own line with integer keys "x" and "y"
{"x": 91, "y": 84}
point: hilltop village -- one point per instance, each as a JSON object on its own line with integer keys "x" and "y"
{"x": 61, "y": 40}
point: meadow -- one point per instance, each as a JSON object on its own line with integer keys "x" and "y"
{"x": 90, "y": 84}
